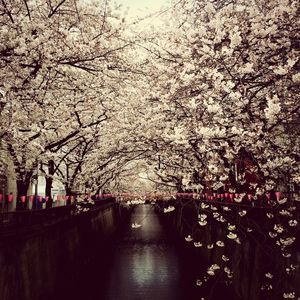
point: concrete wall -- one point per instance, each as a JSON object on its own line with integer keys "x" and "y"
{"x": 37, "y": 264}
{"x": 249, "y": 261}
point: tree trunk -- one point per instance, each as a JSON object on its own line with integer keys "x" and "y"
{"x": 49, "y": 182}
{"x": 68, "y": 193}
{"x": 22, "y": 188}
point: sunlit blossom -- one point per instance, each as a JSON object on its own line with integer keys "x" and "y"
{"x": 231, "y": 235}
{"x": 189, "y": 238}
{"x": 287, "y": 241}
{"x": 242, "y": 213}
{"x": 289, "y": 295}
{"x": 220, "y": 243}
{"x": 269, "y": 275}
{"x": 169, "y": 209}
{"x": 225, "y": 258}
{"x": 293, "y": 223}
{"x": 199, "y": 282}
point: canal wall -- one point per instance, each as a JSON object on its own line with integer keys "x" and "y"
{"x": 48, "y": 260}
{"x": 249, "y": 261}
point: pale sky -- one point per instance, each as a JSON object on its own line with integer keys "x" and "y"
{"x": 138, "y": 9}
{"x": 137, "y": 6}
{"x": 141, "y": 8}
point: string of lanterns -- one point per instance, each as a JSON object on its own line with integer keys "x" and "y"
{"x": 229, "y": 197}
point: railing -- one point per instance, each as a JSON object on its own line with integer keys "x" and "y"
{"x": 260, "y": 202}
{"x": 21, "y": 219}
{"x": 10, "y": 222}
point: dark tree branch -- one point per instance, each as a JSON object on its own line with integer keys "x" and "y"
{"x": 7, "y": 11}
{"x": 56, "y": 8}
{"x": 27, "y": 8}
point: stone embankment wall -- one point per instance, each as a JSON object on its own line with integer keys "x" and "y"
{"x": 47, "y": 258}
{"x": 256, "y": 255}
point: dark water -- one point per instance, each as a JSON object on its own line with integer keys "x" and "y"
{"x": 155, "y": 262}
{"x": 138, "y": 264}
{"x": 145, "y": 263}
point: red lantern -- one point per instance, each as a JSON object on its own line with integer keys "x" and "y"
{"x": 222, "y": 195}
{"x": 47, "y": 198}
{"x": 10, "y": 198}
{"x": 40, "y": 198}
{"x": 249, "y": 197}
{"x": 58, "y": 197}
{"x": 237, "y": 195}
{"x": 1, "y": 197}
{"x": 278, "y": 195}
{"x": 31, "y": 198}
{"x": 231, "y": 197}
{"x": 23, "y": 198}
{"x": 67, "y": 198}
{"x": 226, "y": 195}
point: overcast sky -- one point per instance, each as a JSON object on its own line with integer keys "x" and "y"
{"x": 137, "y": 7}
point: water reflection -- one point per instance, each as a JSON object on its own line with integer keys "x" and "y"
{"x": 144, "y": 264}
{"x": 155, "y": 261}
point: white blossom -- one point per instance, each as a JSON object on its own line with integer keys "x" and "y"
{"x": 287, "y": 241}
{"x": 269, "y": 275}
{"x": 169, "y": 209}
{"x": 220, "y": 243}
{"x": 210, "y": 246}
{"x": 188, "y": 238}
{"x": 288, "y": 295}
{"x": 273, "y": 108}
{"x": 225, "y": 258}
{"x": 293, "y": 223}
{"x": 242, "y": 213}
{"x": 231, "y": 235}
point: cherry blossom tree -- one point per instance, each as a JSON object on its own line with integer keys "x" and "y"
{"x": 229, "y": 89}
{"x": 59, "y": 65}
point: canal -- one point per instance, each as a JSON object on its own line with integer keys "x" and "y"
{"x": 153, "y": 260}
{"x": 140, "y": 264}
{"x": 145, "y": 263}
